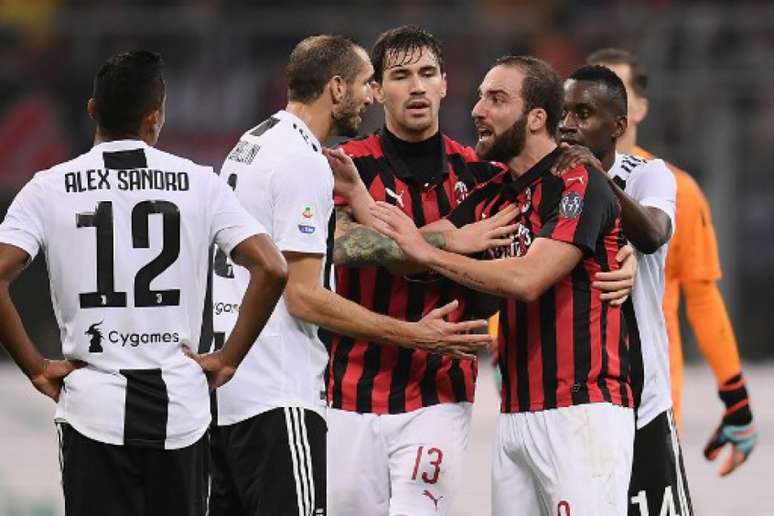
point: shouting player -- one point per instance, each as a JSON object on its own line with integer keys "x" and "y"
{"x": 126, "y": 231}
{"x": 269, "y": 447}
{"x": 594, "y": 118}
{"x": 564, "y": 438}
{"x": 693, "y": 268}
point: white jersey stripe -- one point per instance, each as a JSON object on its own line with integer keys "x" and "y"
{"x": 302, "y": 458}
{"x": 678, "y": 470}
{"x": 294, "y": 459}
{"x": 308, "y": 454}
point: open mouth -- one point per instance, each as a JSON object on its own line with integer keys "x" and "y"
{"x": 484, "y": 133}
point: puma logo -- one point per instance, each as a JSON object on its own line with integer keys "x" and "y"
{"x": 398, "y": 198}
{"x": 433, "y": 498}
{"x": 580, "y": 179}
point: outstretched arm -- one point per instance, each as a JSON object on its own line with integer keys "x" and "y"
{"x": 356, "y": 245}
{"x": 307, "y": 300}
{"x": 525, "y": 278}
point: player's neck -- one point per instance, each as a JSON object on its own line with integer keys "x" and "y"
{"x": 627, "y": 142}
{"x": 536, "y": 148}
{"x": 411, "y": 136}
{"x": 101, "y": 137}
{"x": 608, "y": 160}
{"x": 316, "y": 117}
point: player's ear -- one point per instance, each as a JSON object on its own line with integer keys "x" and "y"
{"x": 536, "y": 119}
{"x": 639, "y": 109}
{"x": 337, "y": 87}
{"x": 621, "y": 123}
{"x": 443, "y": 90}
{"x": 376, "y": 86}
{"x": 91, "y": 109}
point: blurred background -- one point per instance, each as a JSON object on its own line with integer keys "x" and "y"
{"x": 711, "y": 67}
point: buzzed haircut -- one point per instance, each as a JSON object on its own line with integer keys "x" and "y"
{"x": 126, "y": 88}
{"x": 604, "y": 76}
{"x": 403, "y": 46}
{"x": 542, "y": 87}
{"x": 618, "y": 56}
{"x": 316, "y": 60}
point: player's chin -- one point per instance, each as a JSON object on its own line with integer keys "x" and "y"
{"x": 483, "y": 147}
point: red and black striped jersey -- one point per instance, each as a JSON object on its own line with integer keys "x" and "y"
{"x": 568, "y": 347}
{"x": 369, "y": 377}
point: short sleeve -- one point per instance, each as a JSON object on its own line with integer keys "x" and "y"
{"x": 653, "y": 185}
{"x": 579, "y": 208}
{"x": 302, "y": 196}
{"x": 231, "y": 224}
{"x": 24, "y": 225}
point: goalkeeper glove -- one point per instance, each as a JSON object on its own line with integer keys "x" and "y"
{"x": 736, "y": 427}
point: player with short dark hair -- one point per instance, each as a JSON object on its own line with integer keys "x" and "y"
{"x": 594, "y": 118}
{"x": 417, "y": 403}
{"x": 126, "y": 87}
{"x": 126, "y": 231}
{"x": 564, "y": 438}
{"x": 269, "y": 446}
{"x": 693, "y": 268}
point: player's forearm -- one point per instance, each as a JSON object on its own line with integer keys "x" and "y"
{"x": 328, "y": 310}
{"x": 360, "y": 201}
{"x": 505, "y": 278}
{"x": 14, "y": 337}
{"x": 263, "y": 291}
{"x": 365, "y": 247}
{"x": 645, "y": 228}
{"x": 711, "y": 325}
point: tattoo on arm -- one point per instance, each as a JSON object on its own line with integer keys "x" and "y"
{"x": 363, "y": 247}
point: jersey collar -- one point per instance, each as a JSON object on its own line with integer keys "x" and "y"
{"x": 616, "y": 165}
{"x": 513, "y": 186}
{"x": 399, "y": 166}
{"x": 120, "y": 145}
{"x": 301, "y": 127}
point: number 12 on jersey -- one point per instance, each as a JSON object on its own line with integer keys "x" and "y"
{"x": 102, "y": 220}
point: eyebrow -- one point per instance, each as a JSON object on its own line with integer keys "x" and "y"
{"x": 493, "y": 92}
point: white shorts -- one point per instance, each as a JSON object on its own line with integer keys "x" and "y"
{"x": 571, "y": 461}
{"x": 396, "y": 464}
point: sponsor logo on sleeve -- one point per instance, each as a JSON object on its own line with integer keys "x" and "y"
{"x": 305, "y": 225}
{"x": 244, "y": 152}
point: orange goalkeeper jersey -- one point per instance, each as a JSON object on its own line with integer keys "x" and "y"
{"x": 693, "y": 265}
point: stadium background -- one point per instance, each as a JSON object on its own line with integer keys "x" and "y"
{"x": 711, "y": 112}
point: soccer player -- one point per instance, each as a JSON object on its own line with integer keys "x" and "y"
{"x": 594, "y": 118}
{"x": 126, "y": 231}
{"x": 269, "y": 448}
{"x": 693, "y": 268}
{"x": 399, "y": 418}
{"x": 564, "y": 438}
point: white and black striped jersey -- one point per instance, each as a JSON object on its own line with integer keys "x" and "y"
{"x": 650, "y": 183}
{"x": 126, "y": 231}
{"x": 281, "y": 177}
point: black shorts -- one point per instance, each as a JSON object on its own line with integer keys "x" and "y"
{"x": 658, "y": 472}
{"x": 100, "y": 479}
{"x": 272, "y": 464}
